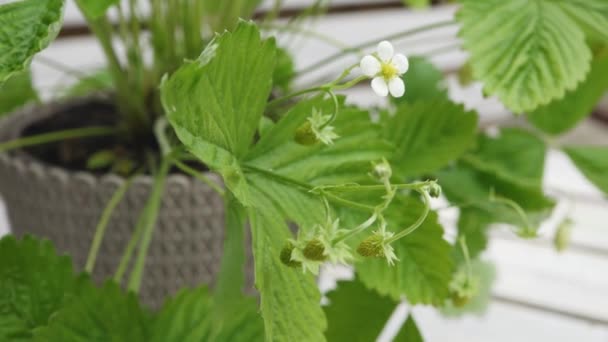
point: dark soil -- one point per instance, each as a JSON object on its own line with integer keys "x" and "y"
{"x": 73, "y": 154}
{"x": 601, "y": 115}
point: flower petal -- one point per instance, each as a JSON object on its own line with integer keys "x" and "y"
{"x": 370, "y": 66}
{"x": 396, "y": 87}
{"x": 401, "y": 63}
{"x": 380, "y": 87}
{"x": 385, "y": 51}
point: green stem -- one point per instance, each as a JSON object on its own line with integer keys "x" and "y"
{"x": 418, "y": 223}
{"x": 77, "y": 74}
{"x": 357, "y": 188}
{"x": 467, "y": 258}
{"x": 307, "y": 187}
{"x": 150, "y": 215}
{"x": 334, "y": 114}
{"x": 350, "y": 83}
{"x": 274, "y": 12}
{"x": 441, "y": 50}
{"x": 351, "y": 204}
{"x": 369, "y": 43}
{"x": 363, "y": 226}
{"x": 275, "y": 102}
{"x": 510, "y": 203}
{"x": 160, "y": 128}
{"x": 57, "y": 136}
{"x": 200, "y": 176}
{"x": 128, "y": 253}
{"x": 310, "y": 33}
{"x": 100, "y": 230}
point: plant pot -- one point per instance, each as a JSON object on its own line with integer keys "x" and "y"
{"x": 65, "y": 206}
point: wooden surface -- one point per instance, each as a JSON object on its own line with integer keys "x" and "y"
{"x": 539, "y": 295}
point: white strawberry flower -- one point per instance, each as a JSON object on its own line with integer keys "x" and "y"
{"x": 385, "y": 68}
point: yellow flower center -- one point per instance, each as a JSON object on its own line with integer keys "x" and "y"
{"x": 389, "y": 71}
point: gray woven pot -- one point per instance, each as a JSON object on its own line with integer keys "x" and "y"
{"x": 65, "y": 207}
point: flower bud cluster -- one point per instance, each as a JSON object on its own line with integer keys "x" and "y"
{"x": 317, "y": 245}
{"x": 463, "y": 287}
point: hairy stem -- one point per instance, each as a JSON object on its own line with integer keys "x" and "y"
{"x": 200, "y": 176}
{"x": 419, "y": 221}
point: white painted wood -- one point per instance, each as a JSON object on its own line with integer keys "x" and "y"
{"x": 4, "y": 225}
{"x": 574, "y": 281}
{"x": 506, "y": 323}
{"x": 502, "y": 322}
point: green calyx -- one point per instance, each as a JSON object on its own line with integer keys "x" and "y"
{"x": 286, "y": 256}
{"x": 459, "y": 300}
{"x": 314, "y": 250}
{"x": 305, "y": 135}
{"x": 372, "y": 247}
{"x": 434, "y": 190}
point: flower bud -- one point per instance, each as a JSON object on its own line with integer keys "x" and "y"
{"x": 371, "y": 247}
{"x": 527, "y": 233}
{"x": 286, "y": 256}
{"x": 314, "y": 250}
{"x": 561, "y": 240}
{"x": 382, "y": 170}
{"x": 305, "y": 134}
{"x": 458, "y": 299}
{"x": 434, "y": 190}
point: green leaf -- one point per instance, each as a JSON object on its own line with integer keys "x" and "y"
{"x": 347, "y": 160}
{"x": 289, "y": 299}
{"x": 231, "y": 278}
{"x": 514, "y": 155}
{"x": 185, "y": 317}
{"x": 428, "y": 135}
{"x": 527, "y": 52}
{"x": 97, "y": 314}
{"x": 409, "y": 332}
{"x": 34, "y": 280}
{"x": 284, "y": 71}
{"x": 26, "y": 28}
{"x": 423, "y": 82}
{"x": 592, "y": 15}
{"x": 215, "y": 103}
{"x": 561, "y": 115}
{"x": 473, "y": 225}
{"x": 355, "y": 313}
{"x": 190, "y": 316}
{"x": 425, "y": 266}
{"x": 221, "y": 97}
{"x": 593, "y": 163}
{"x": 95, "y": 9}
{"x": 245, "y": 325}
{"x": 465, "y": 186}
{"x": 98, "y": 81}
{"x": 16, "y": 92}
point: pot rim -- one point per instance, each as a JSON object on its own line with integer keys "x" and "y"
{"x": 13, "y": 124}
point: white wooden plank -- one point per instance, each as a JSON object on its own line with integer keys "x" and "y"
{"x": 572, "y": 281}
{"x": 4, "y": 225}
{"x": 506, "y": 323}
{"x": 502, "y": 322}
